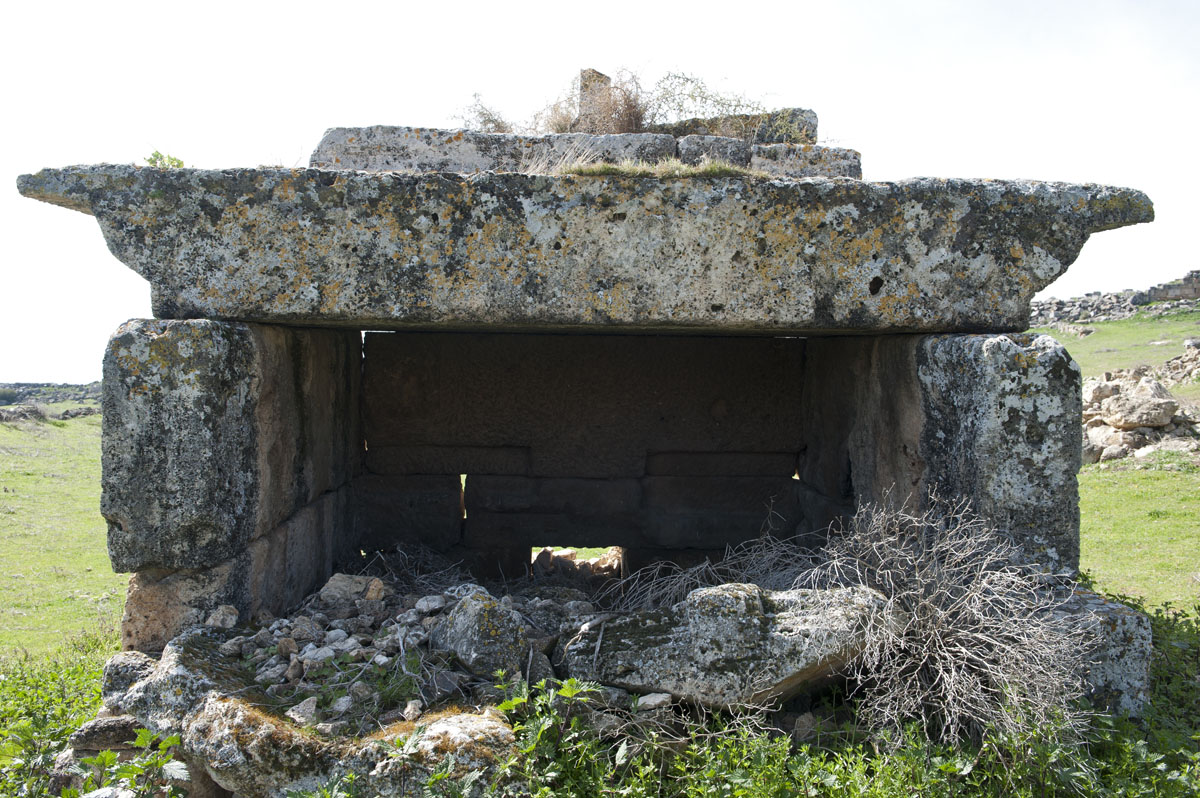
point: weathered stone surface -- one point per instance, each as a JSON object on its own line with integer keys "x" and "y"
{"x": 796, "y": 125}
{"x": 483, "y": 634}
{"x": 408, "y": 508}
{"x": 1149, "y": 404}
{"x": 994, "y": 419}
{"x": 160, "y": 604}
{"x": 727, "y": 646}
{"x": 1119, "y": 676}
{"x": 634, "y": 254}
{"x": 254, "y": 752}
{"x": 1002, "y": 428}
{"x": 806, "y": 160}
{"x": 694, "y": 149}
{"x": 215, "y": 433}
{"x": 1129, "y": 412}
{"x": 385, "y": 148}
{"x": 578, "y": 406}
{"x": 115, "y": 733}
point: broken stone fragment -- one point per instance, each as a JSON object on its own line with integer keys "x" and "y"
{"x": 223, "y": 617}
{"x": 304, "y": 713}
{"x": 112, "y": 733}
{"x": 1149, "y": 404}
{"x": 342, "y": 589}
{"x": 728, "y": 646}
{"x": 1118, "y": 676}
{"x": 484, "y": 635}
{"x": 428, "y": 605}
{"x": 314, "y": 247}
{"x": 653, "y": 701}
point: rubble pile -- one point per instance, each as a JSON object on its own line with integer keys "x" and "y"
{"x": 386, "y": 675}
{"x": 1129, "y": 412}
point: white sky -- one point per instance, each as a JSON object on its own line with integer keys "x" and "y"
{"x": 1092, "y": 91}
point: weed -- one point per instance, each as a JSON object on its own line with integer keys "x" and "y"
{"x": 42, "y": 700}
{"x": 146, "y": 775}
{"x": 158, "y": 160}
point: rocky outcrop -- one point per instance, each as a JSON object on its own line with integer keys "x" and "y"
{"x": 525, "y": 252}
{"x": 727, "y": 646}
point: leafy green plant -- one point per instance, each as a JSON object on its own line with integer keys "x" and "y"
{"x": 160, "y": 161}
{"x": 146, "y": 775}
{"x": 42, "y": 700}
{"x": 340, "y": 786}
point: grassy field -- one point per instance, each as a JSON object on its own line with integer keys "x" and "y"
{"x": 1140, "y": 530}
{"x": 1140, "y": 340}
{"x": 54, "y": 573}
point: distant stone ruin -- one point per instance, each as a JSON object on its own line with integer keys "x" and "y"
{"x": 414, "y": 341}
{"x": 1186, "y": 288}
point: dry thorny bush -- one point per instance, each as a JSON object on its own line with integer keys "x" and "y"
{"x": 970, "y": 642}
{"x": 626, "y": 106}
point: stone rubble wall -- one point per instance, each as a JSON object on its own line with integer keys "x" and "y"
{"x": 1183, "y": 294}
{"x": 1186, "y": 288}
{"x": 227, "y": 451}
{"x": 384, "y": 148}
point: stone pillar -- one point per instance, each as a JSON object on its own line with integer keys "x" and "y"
{"x": 228, "y": 449}
{"x": 992, "y": 418}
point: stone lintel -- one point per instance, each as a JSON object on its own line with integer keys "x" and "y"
{"x": 520, "y": 252}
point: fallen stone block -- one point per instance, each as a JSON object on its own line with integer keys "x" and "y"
{"x": 727, "y": 646}
{"x": 1118, "y": 677}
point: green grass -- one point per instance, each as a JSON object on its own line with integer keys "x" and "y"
{"x": 1127, "y": 343}
{"x": 1140, "y": 529}
{"x": 54, "y": 571}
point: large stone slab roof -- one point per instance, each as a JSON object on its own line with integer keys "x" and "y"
{"x": 615, "y": 254}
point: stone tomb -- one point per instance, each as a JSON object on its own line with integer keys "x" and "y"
{"x": 369, "y": 353}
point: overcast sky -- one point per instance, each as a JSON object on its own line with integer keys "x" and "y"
{"x": 1091, "y": 91}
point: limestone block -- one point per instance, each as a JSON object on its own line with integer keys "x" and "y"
{"x": 159, "y": 605}
{"x": 715, "y": 464}
{"x": 214, "y": 433}
{"x": 992, "y": 418}
{"x": 384, "y": 148}
{"x": 806, "y": 160}
{"x": 550, "y": 495}
{"x": 490, "y": 530}
{"x": 694, "y": 149}
{"x": 483, "y": 634}
{"x": 1119, "y": 675}
{"x": 416, "y": 459}
{"x": 796, "y": 125}
{"x": 1002, "y": 427}
{"x": 727, "y": 646}
{"x": 535, "y": 252}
